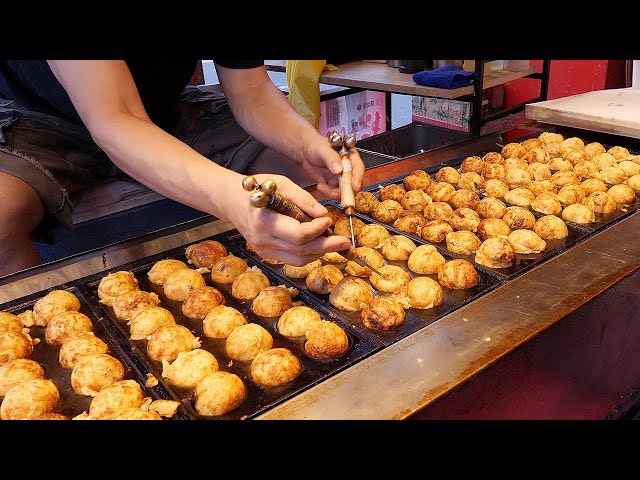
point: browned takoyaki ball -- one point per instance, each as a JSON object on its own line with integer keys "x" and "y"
{"x": 458, "y": 274}
{"x": 425, "y": 259}
{"x": 492, "y": 227}
{"x": 30, "y": 399}
{"x": 51, "y": 304}
{"x": 410, "y": 222}
{"x": 530, "y": 143}
{"x": 343, "y": 226}
{"x": 372, "y": 235}
{"x": 15, "y": 345}
{"x": 471, "y": 181}
{"x": 463, "y": 242}
{"x": 526, "y": 241}
{"x": 416, "y": 200}
{"x": 394, "y": 278}
{"x": 169, "y": 340}
{"x": 436, "y": 231}
{"x": 629, "y": 167}
{"x": 326, "y": 341}
{"x": 387, "y": 211}
{"x": 542, "y": 186}
{"x": 518, "y": 178}
{"x": 200, "y": 301}
{"x": 517, "y": 218}
{"x": 383, "y": 313}
{"x": 365, "y": 201}
{"x": 547, "y": 203}
{"x": 79, "y": 345}
{"x": 116, "y": 398}
{"x": 612, "y": 175}
{"x": 334, "y": 213}
{"x": 571, "y": 194}
{"x": 560, "y": 179}
{"x": 222, "y": 320}
{"x": 144, "y": 323}
{"x": 551, "y": 227}
{"x": 539, "y": 171}
{"x": 292, "y": 271}
{"x": 248, "y": 284}
{"x": 600, "y": 202}
{"x": 296, "y": 321}
{"x": 622, "y": 193}
{"x": 18, "y": 370}
{"x": 127, "y": 305}
{"x": 619, "y": 153}
{"x": 536, "y": 154}
{"x": 272, "y": 301}
{"x": 464, "y": 219}
{"x": 227, "y": 269}
{"x": 204, "y": 254}
{"x": 424, "y": 292}
{"x": 247, "y": 341}
{"x": 392, "y": 191}
{"x": 323, "y": 279}
{"x": 219, "y": 393}
{"x": 493, "y": 171}
{"x": 94, "y": 372}
{"x": 64, "y": 325}
{"x": 438, "y": 211}
{"x": 115, "y": 284}
{"x": 591, "y": 185}
{"x": 441, "y": 191}
{"x": 335, "y": 257}
{"x": 137, "y": 413}
{"x": 603, "y": 160}
{"x": 573, "y": 142}
{"x": 574, "y": 156}
{"x": 397, "y": 247}
{"x": 491, "y": 207}
{"x": 594, "y": 148}
{"x": 181, "y": 282}
{"x": 634, "y": 182}
{"x": 190, "y": 367}
{"x": 495, "y": 252}
{"x": 578, "y": 213}
{"x": 351, "y": 294}
{"x": 494, "y": 158}
{"x": 521, "y": 197}
{"x": 513, "y": 150}
{"x": 551, "y": 137}
{"x": 10, "y": 321}
{"x": 374, "y": 258}
{"x": 448, "y": 175}
{"x": 274, "y": 367}
{"x": 464, "y": 198}
{"x": 473, "y": 164}
{"x": 495, "y": 188}
{"x": 515, "y": 163}
{"x": 160, "y": 270}
{"x": 417, "y": 180}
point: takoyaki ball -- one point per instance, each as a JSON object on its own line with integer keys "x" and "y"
{"x": 634, "y": 182}
{"x": 30, "y": 399}
{"x": 221, "y": 321}
{"x": 272, "y": 301}
{"x": 323, "y": 279}
{"x": 493, "y": 158}
{"x": 334, "y": 213}
{"x": 219, "y": 393}
{"x": 78, "y": 346}
{"x": 248, "y": 284}
{"x": 296, "y": 321}
{"x": 94, "y": 372}
{"x": 169, "y": 340}
{"x": 65, "y": 325}
{"x": 383, "y": 313}
{"x": 463, "y": 242}
{"x": 600, "y": 202}
{"x": 519, "y": 218}
{"x": 137, "y": 414}
{"x": 547, "y": 203}
{"x": 493, "y": 171}
{"x": 464, "y": 198}
{"x": 127, "y": 305}
{"x": 52, "y": 416}
{"x": 526, "y": 241}
{"x": 558, "y": 164}
{"x": 114, "y": 284}
{"x": 521, "y": 197}
{"x": 410, "y": 222}
{"x": 551, "y": 227}
{"x": 518, "y": 178}
{"x": 553, "y": 149}
{"x": 578, "y": 213}
{"x": 275, "y": 367}
{"x": 495, "y": 188}
{"x": 396, "y": 277}
{"x": 515, "y": 163}
{"x": 438, "y": 211}
{"x": 393, "y": 191}
{"x": 417, "y": 180}
{"x": 436, "y": 231}
{"x": 629, "y": 167}
{"x": 464, "y": 219}
{"x": 51, "y": 304}
{"x": 387, "y": 211}
{"x": 570, "y": 194}
{"x": 372, "y": 235}
{"x": 326, "y": 341}
{"x": 612, "y": 175}
{"x": 513, "y": 150}
{"x": 10, "y": 321}
{"x": 364, "y": 202}
{"x": 492, "y": 227}
{"x": 634, "y": 159}
{"x": 471, "y": 181}
{"x": 623, "y": 194}
{"x": 495, "y": 252}
{"x": 591, "y": 185}
{"x": 530, "y": 143}
{"x": 227, "y": 269}
{"x": 537, "y": 155}
{"x": 160, "y": 271}
{"x": 116, "y": 398}
{"x": 458, "y": 274}
{"x": 551, "y": 137}
{"x": 416, "y": 200}
{"x": 448, "y": 175}
{"x": 189, "y": 368}
{"x": 539, "y": 171}
{"x": 18, "y": 370}
{"x": 441, "y": 191}
{"x": 181, "y": 282}
{"x": 543, "y": 186}
{"x": 619, "y": 153}
{"x": 374, "y": 257}
{"x": 425, "y": 259}
{"x": 343, "y": 226}
{"x": 247, "y": 341}
{"x": 604, "y": 160}
{"x": 473, "y": 164}
{"x": 491, "y": 207}
{"x": 292, "y": 271}
{"x": 335, "y": 257}
{"x": 594, "y": 148}
{"x": 15, "y": 345}
{"x": 573, "y": 142}
{"x": 200, "y": 301}
{"x": 425, "y": 292}
{"x": 397, "y": 247}
{"x": 351, "y": 294}
{"x": 575, "y": 156}
{"x": 144, "y": 323}
{"x": 205, "y": 254}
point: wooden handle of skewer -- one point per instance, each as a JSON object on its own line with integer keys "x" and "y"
{"x": 347, "y": 198}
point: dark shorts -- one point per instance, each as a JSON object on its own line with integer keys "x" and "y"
{"x": 60, "y": 160}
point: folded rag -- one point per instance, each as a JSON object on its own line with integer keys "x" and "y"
{"x": 449, "y": 76}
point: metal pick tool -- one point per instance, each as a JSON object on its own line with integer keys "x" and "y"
{"x": 265, "y": 195}
{"x": 347, "y": 197}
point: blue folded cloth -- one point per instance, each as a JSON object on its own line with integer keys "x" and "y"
{"x": 449, "y": 76}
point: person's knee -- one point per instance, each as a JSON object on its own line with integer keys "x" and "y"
{"x": 20, "y": 208}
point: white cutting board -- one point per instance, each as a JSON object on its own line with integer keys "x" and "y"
{"x": 614, "y": 111}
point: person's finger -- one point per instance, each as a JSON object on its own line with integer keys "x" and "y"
{"x": 358, "y": 167}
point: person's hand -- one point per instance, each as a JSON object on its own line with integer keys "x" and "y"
{"x": 276, "y": 236}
